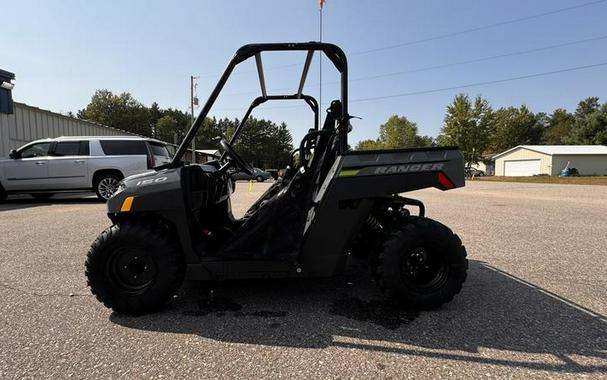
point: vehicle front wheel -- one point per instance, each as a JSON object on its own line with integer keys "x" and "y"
{"x": 259, "y": 178}
{"x": 41, "y": 196}
{"x": 2, "y": 194}
{"x": 422, "y": 265}
{"x": 106, "y": 185}
{"x": 134, "y": 268}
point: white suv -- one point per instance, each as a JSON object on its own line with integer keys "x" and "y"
{"x": 44, "y": 167}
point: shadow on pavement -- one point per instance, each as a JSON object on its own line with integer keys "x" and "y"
{"x": 498, "y": 319}
{"x": 26, "y": 201}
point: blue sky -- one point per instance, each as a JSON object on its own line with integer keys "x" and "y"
{"x": 61, "y": 51}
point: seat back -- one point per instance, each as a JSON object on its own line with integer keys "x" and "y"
{"x": 325, "y": 150}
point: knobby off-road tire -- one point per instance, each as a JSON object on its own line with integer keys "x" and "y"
{"x": 423, "y": 264}
{"x": 134, "y": 268}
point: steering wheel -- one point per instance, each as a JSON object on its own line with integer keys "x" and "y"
{"x": 233, "y": 156}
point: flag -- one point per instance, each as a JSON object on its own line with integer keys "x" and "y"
{"x": 321, "y": 3}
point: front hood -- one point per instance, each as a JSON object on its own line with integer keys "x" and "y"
{"x": 145, "y": 184}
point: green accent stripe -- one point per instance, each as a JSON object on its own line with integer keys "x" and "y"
{"x": 348, "y": 172}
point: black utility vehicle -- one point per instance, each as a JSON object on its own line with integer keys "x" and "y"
{"x": 176, "y": 222}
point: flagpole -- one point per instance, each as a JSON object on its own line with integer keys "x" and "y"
{"x": 320, "y": 61}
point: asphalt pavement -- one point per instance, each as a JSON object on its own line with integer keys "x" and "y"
{"x": 534, "y": 304}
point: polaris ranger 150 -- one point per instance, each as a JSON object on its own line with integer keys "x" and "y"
{"x": 176, "y": 222}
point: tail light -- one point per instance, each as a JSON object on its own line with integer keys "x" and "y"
{"x": 444, "y": 181}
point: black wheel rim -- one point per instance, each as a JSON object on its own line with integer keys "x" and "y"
{"x": 132, "y": 270}
{"x": 424, "y": 269}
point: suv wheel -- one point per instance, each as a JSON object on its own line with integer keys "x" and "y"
{"x": 259, "y": 178}
{"x": 106, "y": 185}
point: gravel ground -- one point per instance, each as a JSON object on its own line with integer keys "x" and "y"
{"x": 534, "y": 304}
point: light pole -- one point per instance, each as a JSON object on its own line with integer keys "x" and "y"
{"x": 193, "y": 102}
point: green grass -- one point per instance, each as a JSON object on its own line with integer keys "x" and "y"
{"x": 593, "y": 180}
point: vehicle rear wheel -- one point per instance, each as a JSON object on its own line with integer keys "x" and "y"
{"x": 2, "y": 194}
{"x": 134, "y": 268}
{"x": 422, "y": 265}
{"x": 41, "y": 196}
{"x": 106, "y": 185}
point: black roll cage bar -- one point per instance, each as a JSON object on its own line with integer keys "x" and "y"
{"x": 333, "y": 52}
{"x": 310, "y": 100}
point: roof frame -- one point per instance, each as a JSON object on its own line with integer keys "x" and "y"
{"x": 333, "y": 53}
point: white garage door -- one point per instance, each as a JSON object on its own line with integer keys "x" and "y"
{"x": 521, "y": 168}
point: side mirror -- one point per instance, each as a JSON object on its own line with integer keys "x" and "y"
{"x": 14, "y": 154}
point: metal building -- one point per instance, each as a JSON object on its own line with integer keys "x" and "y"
{"x": 28, "y": 123}
{"x": 528, "y": 160}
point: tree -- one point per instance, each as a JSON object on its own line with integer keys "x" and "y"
{"x": 590, "y": 125}
{"x": 467, "y": 125}
{"x": 118, "y": 111}
{"x": 515, "y": 126}
{"x": 261, "y": 142}
{"x": 559, "y": 126}
{"x": 587, "y": 107}
{"x": 181, "y": 126}
{"x": 212, "y": 131}
{"x": 166, "y": 129}
{"x": 397, "y": 132}
{"x": 154, "y": 114}
{"x": 369, "y": 145}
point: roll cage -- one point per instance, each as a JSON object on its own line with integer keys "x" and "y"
{"x": 333, "y": 52}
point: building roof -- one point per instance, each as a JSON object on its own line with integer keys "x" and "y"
{"x": 556, "y": 150}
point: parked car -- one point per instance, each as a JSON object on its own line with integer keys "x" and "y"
{"x": 258, "y": 175}
{"x": 472, "y": 172}
{"x": 44, "y": 167}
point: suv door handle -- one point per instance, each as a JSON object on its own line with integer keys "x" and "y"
{"x": 79, "y": 161}
{"x": 40, "y": 163}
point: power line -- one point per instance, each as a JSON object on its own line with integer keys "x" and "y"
{"x": 481, "y": 59}
{"x": 443, "y": 36}
{"x": 476, "y": 84}
{"x": 479, "y": 28}
{"x": 546, "y": 73}
{"x": 451, "y": 64}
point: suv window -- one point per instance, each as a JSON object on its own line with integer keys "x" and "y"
{"x": 36, "y": 150}
{"x": 67, "y": 148}
{"x": 159, "y": 150}
{"x": 123, "y": 147}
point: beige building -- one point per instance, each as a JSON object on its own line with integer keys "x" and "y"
{"x": 528, "y": 160}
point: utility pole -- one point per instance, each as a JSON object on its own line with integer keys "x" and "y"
{"x": 193, "y": 102}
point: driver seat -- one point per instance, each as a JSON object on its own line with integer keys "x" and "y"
{"x": 275, "y": 229}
